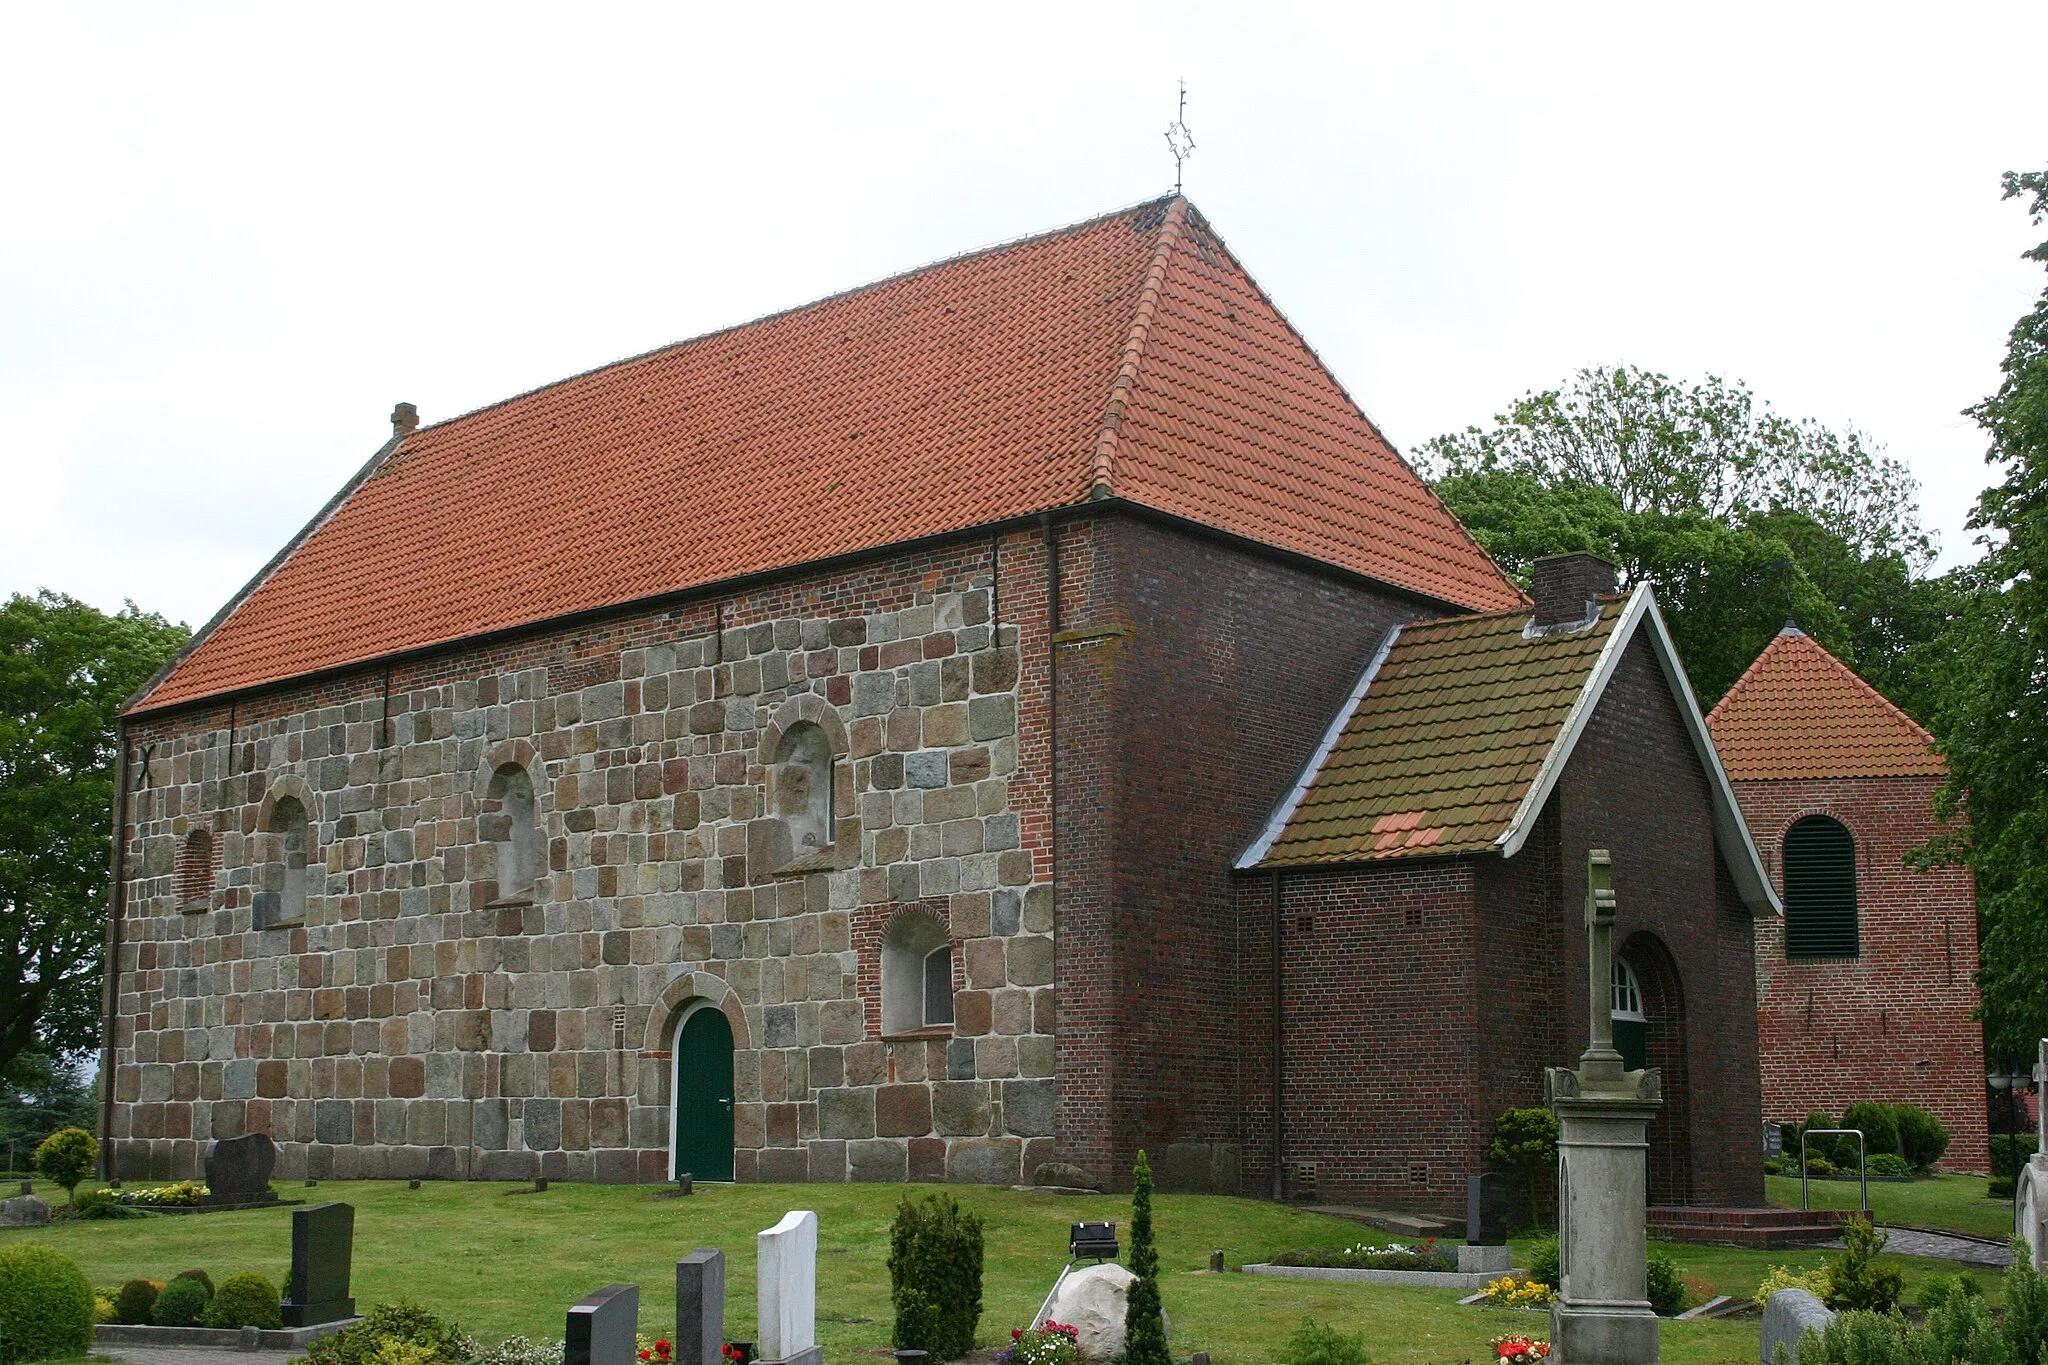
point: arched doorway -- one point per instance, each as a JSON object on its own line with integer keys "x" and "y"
{"x": 700, "y": 1139}
{"x": 1659, "y": 999}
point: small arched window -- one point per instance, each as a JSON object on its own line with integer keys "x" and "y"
{"x": 506, "y": 824}
{"x": 800, "y": 788}
{"x": 917, "y": 975}
{"x": 1820, "y": 890}
{"x": 282, "y": 900}
{"x": 195, "y": 871}
{"x": 1631, "y": 1025}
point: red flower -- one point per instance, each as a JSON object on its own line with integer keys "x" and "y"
{"x": 647, "y": 1355}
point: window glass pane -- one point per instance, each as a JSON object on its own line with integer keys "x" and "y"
{"x": 938, "y": 987}
{"x": 1626, "y": 998}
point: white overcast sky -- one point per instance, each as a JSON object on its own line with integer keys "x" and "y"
{"x": 231, "y": 236}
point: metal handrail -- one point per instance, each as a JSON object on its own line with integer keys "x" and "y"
{"x": 1862, "y": 1162}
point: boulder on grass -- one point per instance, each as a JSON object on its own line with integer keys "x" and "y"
{"x": 1095, "y": 1301}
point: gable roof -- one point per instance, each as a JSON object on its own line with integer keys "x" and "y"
{"x": 1458, "y": 732}
{"x": 1129, "y": 357}
{"x": 1798, "y": 711}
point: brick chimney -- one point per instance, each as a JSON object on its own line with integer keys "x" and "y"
{"x": 1563, "y": 585}
{"x": 405, "y": 420}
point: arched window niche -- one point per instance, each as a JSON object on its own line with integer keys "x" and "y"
{"x": 917, "y": 976}
{"x": 1631, "y": 1025}
{"x": 194, "y": 890}
{"x": 1820, "y": 890}
{"x": 508, "y": 824}
{"x": 282, "y": 899}
{"x": 800, "y": 784}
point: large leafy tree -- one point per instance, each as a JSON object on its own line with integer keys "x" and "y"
{"x": 1993, "y": 716}
{"x": 1739, "y": 516}
{"x": 65, "y": 668}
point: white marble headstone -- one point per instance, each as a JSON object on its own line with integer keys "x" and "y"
{"x": 787, "y": 1296}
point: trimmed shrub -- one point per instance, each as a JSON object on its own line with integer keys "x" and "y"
{"x": 1821, "y": 1146}
{"x": 1666, "y": 1290}
{"x": 102, "y": 1204}
{"x": 1922, "y": 1139}
{"x": 1890, "y": 1164}
{"x": 1543, "y": 1261}
{"x": 181, "y": 1304}
{"x": 1315, "y": 1343}
{"x": 46, "y": 1304}
{"x": 1880, "y": 1126}
{"x": 198, "y": 1275}
{"x": 402, "y": 1321}
{"x": 1525, "y": 1147}
{"x": 1814, "y": 1282}
{"x": 1856, "y": 1278}
{"x": 245, "y": 1300}
{"x": 66, "y": 1157}
{"x": 1144, "y": 1317}
{"x": 935, "y": 1256}
{"x": 133, "y": 1304}
{"x": 2009, "y": 1150}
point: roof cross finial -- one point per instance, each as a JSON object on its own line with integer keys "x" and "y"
{"x": 1179, "y": 140}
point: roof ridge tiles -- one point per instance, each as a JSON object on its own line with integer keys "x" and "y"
{"x": 1102, "y": 466}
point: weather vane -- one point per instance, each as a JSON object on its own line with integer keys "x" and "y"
{"x": 1179, "y": 140}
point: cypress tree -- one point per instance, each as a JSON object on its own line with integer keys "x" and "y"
{"x": 1144, "y": 1320}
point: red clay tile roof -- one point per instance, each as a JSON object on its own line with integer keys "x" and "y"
{"x": 1798, "y": 711}
{"x": 1127, "y": 357}
{"x": 1436, "y": 756}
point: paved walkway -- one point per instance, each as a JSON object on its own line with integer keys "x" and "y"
{"x": 1947, "y": 1247}
{"x": 190, "y": 1355}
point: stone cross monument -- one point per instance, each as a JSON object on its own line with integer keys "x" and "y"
{"x": 2030, "y": 1196}
{"x": 1602, "y": 1315}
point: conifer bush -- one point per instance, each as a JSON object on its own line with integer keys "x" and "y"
{"x": 245, "y": 1300}
{"x": 1144, "y": 1318}
{"x": 935, "y": 1258}
{"x": 1856, "y": 1278}
{"x": 135, "y": 1301}
{"x": 1316, "y": 1343}
{"x": 180, "y": 1304}
{"x": 66, "y": 1157}
{"x": 46, "y": 1305}
{"x": 1922, "y": 1139}
{"x": 1880, "y": 1125}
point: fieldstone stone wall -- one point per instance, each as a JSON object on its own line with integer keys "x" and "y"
{"x": 417, "y": 1023}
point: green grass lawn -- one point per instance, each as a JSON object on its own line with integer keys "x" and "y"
{"x": 1946, "y": 1201}
{"x": 501, "y": 1264}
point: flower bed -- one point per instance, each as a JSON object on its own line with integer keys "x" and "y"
{"x": 1516, "y": 1349}
{"x": 1422, "y": 1264}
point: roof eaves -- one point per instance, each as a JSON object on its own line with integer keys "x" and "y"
{"x": 262, "y": 575}
{"x": 1284, "y": 812}
{"x": 1102, "y": 466}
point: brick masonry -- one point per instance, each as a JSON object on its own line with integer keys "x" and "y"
{"x": 1422, "y": 997}
{"x": 1896, "y": 1022}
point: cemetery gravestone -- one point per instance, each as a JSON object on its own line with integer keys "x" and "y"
{"x": 1774, "y": 1141}
{"x": 786, "y": 1296}
{"x": 603, "y": 1328}
{"x": 323, "y": 1243}
{"x": 24, "y": 1211}
{"x": 1486, "y": 1227}
{"x": 700, "y": 1308}
{"x": 238, "y": 1170}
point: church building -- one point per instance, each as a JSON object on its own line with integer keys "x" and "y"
{"x": 1019, "y": 711}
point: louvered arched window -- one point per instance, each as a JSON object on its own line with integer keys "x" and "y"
{"x": 1820, "y": 889}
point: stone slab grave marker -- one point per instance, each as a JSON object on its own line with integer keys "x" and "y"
{"x": 238, "y": 1170}
{"x": 700, "y": 1308}
{"x": 1486, "y": 1227}
{"x": 603, "y": 1328}
{"x": 1602, "y": 1313}
{"x": 786, "y": 1296}
{"x": 323, "y": 1244}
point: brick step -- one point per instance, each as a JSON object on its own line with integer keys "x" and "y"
{"x": 1755, "y": 1229}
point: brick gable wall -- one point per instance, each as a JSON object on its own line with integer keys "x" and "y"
{"x": 1894, "y": 1023}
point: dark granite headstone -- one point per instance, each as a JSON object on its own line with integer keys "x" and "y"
{"x": 603, "y": 1329}
{"x": 1486, "y": 1210}
{"x": 238, "y": 1170}
{"x": 1774, "y": 1141}
{"x": 700, "y": 1308}
{"x": 323, "y": 1243}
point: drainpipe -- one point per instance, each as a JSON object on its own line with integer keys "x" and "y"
{"x": 110, "y": 993}
{"x": 1279, "y": 1047}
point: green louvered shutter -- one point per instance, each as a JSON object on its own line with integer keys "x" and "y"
{"x": 1820, "y": 889}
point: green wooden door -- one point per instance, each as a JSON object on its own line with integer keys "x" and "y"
{"x": 704, "y": 1096}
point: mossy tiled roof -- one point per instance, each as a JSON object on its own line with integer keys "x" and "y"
{"x": 1440, "y": 750}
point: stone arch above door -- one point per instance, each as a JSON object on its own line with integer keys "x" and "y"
{"x": 675, "y": 997}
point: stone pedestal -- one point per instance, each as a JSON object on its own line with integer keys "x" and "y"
{"x": 1602, "y": 1315}
{"x": 2030, "y": 1192}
